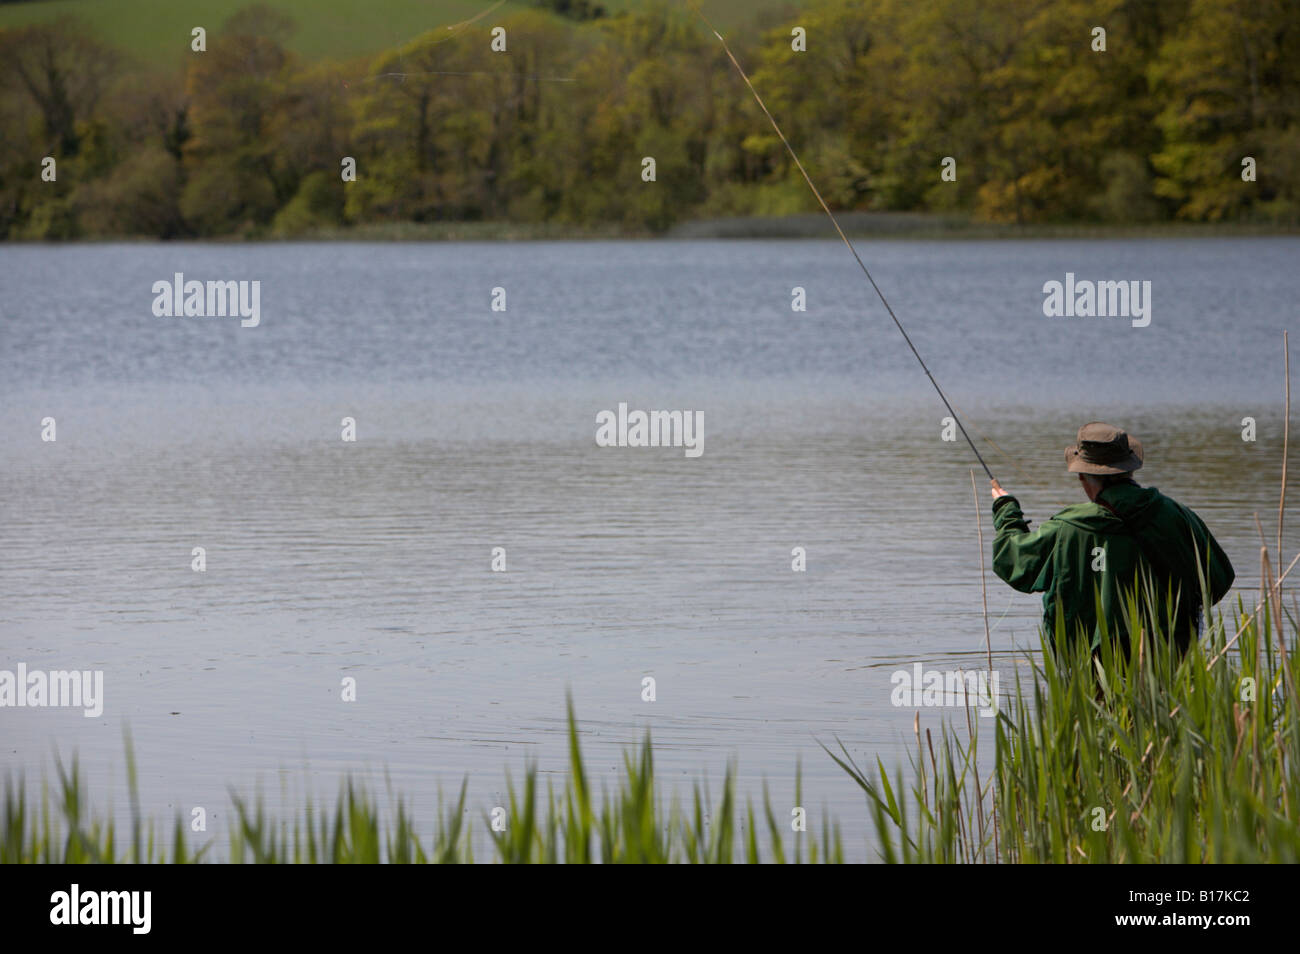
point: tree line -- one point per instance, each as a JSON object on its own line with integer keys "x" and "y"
{"x": 1188, "y": 111}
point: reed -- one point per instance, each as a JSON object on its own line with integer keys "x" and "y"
{"x": 633, "y": 823}
{"x": 1113, "y": 759}
{"x": 1116, "y": 759}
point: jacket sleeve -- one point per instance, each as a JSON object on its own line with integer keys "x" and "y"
{"x": 1221, "y": 573}
{"x": 1022, "y": 557}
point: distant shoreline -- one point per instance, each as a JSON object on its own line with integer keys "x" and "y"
{"x": 858, "y": 225}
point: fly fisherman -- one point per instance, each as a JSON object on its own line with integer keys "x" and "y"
{"x": 1091, "y": 553}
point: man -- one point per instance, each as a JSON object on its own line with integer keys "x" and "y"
{"x": 1090, "y": 554}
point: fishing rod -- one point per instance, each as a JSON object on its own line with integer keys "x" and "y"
{"x": 836, "y": 223}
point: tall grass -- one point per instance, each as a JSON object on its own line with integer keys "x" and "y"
{"x": 631, "y": 824}
{"x": 1139, "y": 757}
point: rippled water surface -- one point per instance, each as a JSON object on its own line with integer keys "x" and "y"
{"x": 475, "y": 430}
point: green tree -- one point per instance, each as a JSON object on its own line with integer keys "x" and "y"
{"x": 1230, "y": 81}
{"x": 239, "y": 170}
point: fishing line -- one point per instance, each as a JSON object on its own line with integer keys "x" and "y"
{"x": 835, "y": 222}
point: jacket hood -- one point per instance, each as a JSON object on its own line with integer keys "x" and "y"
{"x": 1137, "y": 505}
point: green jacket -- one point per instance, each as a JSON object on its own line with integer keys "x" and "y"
{"x": 1058, "y": 558}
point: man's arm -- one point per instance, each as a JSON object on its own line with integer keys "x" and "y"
{"x": 1021, "y": 557}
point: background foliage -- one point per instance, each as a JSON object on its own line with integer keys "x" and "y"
{"x": 246, "y": 139}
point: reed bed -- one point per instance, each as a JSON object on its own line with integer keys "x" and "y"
{"x": 634, "y": 823}
{"x": 1110, "y": 757}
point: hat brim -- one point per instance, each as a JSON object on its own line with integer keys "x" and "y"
{"x": 1077, "y": 465}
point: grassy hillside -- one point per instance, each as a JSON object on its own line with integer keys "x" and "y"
{"x": 158, "y": 31}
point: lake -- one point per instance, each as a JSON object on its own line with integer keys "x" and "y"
{"x": 475, "y": 429}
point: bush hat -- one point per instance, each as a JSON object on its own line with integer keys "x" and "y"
{"x": 1103, "y": 449}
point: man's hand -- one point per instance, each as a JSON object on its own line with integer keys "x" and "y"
{"x": 997, "y": 490}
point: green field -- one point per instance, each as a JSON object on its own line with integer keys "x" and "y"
{"x": 158, "y": 31}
